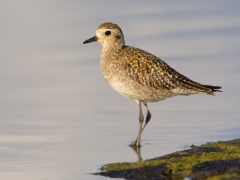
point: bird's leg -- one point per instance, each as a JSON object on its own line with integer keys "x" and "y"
{"x": 148, "y": 116}
{"x": 137, "y": 142}
{"x": 141, "y": 119}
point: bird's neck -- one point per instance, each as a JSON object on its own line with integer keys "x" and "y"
{"x": 109, "y": 60}
{"x": 113, "y": 45}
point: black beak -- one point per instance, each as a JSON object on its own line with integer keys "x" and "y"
{"x": 92, "y": 39}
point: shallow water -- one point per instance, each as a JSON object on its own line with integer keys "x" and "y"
{"x": 59, "y": 119}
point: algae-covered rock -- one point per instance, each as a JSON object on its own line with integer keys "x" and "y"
{"x": 215, "y": 168}
{"x": 148, "y": 172}
{"x": 209, "y": 160}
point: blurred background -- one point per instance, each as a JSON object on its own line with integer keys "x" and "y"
{"x": 59, "y": 119}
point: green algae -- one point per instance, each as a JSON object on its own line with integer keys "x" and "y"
{"x": 180, "y": 164}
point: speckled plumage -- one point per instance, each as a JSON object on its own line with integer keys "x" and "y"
{"x": 139, "y": 75}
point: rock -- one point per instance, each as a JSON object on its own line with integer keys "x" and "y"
{"x": 150, "y": 172}
{"x": 214, "y": 168}
{"x": 220, "y": 160}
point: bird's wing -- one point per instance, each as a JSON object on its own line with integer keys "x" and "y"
{"x": 151, "y": 71}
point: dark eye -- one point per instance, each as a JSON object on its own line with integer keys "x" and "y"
{"x": 107, "y": 33}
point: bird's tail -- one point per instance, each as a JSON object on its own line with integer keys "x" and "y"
{"x": 213, "y": 88}
{"x": 195, "y": 87}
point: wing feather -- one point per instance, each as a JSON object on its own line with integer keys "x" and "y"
{"x": 151, "y": 71}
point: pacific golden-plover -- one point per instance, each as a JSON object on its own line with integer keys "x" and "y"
{"x": 139, "y": 75}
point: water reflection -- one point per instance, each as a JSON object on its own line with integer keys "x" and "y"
{"x": 137, "y": 151}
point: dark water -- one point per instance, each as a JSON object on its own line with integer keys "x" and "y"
{"x": 59, "y": 119}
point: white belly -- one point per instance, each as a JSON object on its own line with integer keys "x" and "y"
{"x": 135, "y": 91}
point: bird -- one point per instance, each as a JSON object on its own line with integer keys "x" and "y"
{"x": 139, "y": 75}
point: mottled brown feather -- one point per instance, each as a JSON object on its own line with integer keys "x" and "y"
{"x": 151, "y": 71}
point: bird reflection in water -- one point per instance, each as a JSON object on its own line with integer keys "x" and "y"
{"x": 137, "y": 151}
